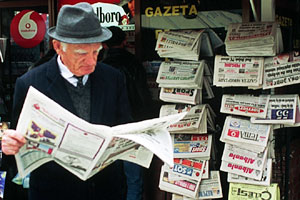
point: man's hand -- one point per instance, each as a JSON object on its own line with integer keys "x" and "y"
{"x": 12, "y": 141}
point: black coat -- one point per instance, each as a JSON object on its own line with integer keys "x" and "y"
{"x": 109, "y": 106}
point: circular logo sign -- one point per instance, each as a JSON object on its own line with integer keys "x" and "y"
{"x": 28, "y": 29}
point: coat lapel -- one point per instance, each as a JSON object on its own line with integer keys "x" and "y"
{"x": 57, "y": 89}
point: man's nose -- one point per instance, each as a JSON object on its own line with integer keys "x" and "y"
{"x": 91, "y": 59}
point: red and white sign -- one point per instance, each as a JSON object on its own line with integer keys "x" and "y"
{"x": 28, "y": 28}
{"x": 60, "y": 3}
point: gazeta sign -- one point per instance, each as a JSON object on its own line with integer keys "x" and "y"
{"x": 110, "y": 14}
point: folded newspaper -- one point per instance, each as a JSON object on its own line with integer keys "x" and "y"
{"x": 54, "y": 134}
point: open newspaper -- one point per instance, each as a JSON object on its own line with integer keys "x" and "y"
{"x": 54, "y": 134}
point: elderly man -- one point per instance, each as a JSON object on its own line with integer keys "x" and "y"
{"x": 100, "y": 99}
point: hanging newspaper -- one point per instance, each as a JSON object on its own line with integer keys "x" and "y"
{"x": 241, "y": 170}
{"x": 238, "y": 191}
{"x": 181, "y": 95}
{"x": 187, "y": 168}
{"x": 177, "y": 184}
{"x": 238, "y": 71}
{"x": 209, "y": 189}
{"x": 281, "y": 70}
{"x": 181, "y": 74}
{"x": 281, "y": 109}
{"x": 184, "y": 44}
{"x": 253, "y": 39}
{"x": 192, "y": 145}
{"x": 195, "y": 121}
{"x": 241, "y": 132}
{"x": 245, "y": 105}
{"x": 238, "y": 155}
{"x": 84, "y": 149}
{"x": 265, "y": 180}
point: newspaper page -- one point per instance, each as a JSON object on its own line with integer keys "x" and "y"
{"x": 252, "y": 38}
{"x": 281, "y": 109}
{"x": 209, "y": 189}
{"x": 192, "y": 145}
{"x": 181, "y": 95}
{"x": 191, "y": 123}
{"x": 188, "y": 168}
{"x": 238, "y": 71}
{"x": 265, "y": 180}
{"x": 177, "y": 184}
{"x": 238, "y": 191}
{"x": 237, "y": 155}
{"x": 241, "y": 170}
{"x": 240, "y": 131}
{"x": 139, "y": 155}
{"x": 53, "y": 133}
{"x": 282, "y": 70}
{"x": 181, "y": 74}
{"x": 245, "y": 105}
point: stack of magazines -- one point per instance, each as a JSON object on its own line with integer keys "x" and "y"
{"x": 253, "y": 39}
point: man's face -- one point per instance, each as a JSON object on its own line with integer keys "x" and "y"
{"x": 80, "y": 59}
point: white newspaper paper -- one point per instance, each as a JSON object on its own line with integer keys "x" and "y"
{"x": 181, "y": 95}
{"x": 245, "y": 105}
{"x": 281, "y": 70}
{"x": 238, "y": 71}
{"x": 195, "y": 121}
{"x": 179, "y": 185}
{"x": 281, "y": 109}
{"x": 84, "y": 149}
{"x": 241, "y": 132}
{"x": 192, "y": 145}
{"x": 265, "y": 180}
{"x": 181, "y": 74}
{"x": 238, "y": 155}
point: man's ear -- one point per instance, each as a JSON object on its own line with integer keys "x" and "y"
{"x": 57, "y": 46}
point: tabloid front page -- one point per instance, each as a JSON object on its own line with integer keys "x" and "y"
{"x": 282, "y": 109}
{"x": 209, "y": 189}
{"x": 241, "y": 132}
{"x": 192, "y": 145}
{"x": 239, "y": 191}
{"x": 84, "y": 149}
{"x": 238, "y": 71}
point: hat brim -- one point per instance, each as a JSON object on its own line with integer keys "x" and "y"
{"x": 105, "y": 35}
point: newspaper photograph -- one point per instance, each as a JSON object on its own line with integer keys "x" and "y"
{"x": 265, "y": 180}
{"x": 177, "y": 184}
{"x": 238, "y": 155}
{"x": 241, "y": 132}
{"x": 238, "y": 71}
{"x": 282, "y": 109}
{"x": 53, "y": 133}
{"x": 238, "y": 191}
{"x": 281, "y": 70}
{"x": 181, "y": 95}
{"x": 241, "y": 170}
{"x": 193, "y": 122}
{"x": 181, "y": 74}
{"x": 245, "y": 105}
{"x": 192, "y": 145}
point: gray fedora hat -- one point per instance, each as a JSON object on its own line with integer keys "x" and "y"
{"x": 77, "y": 24}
